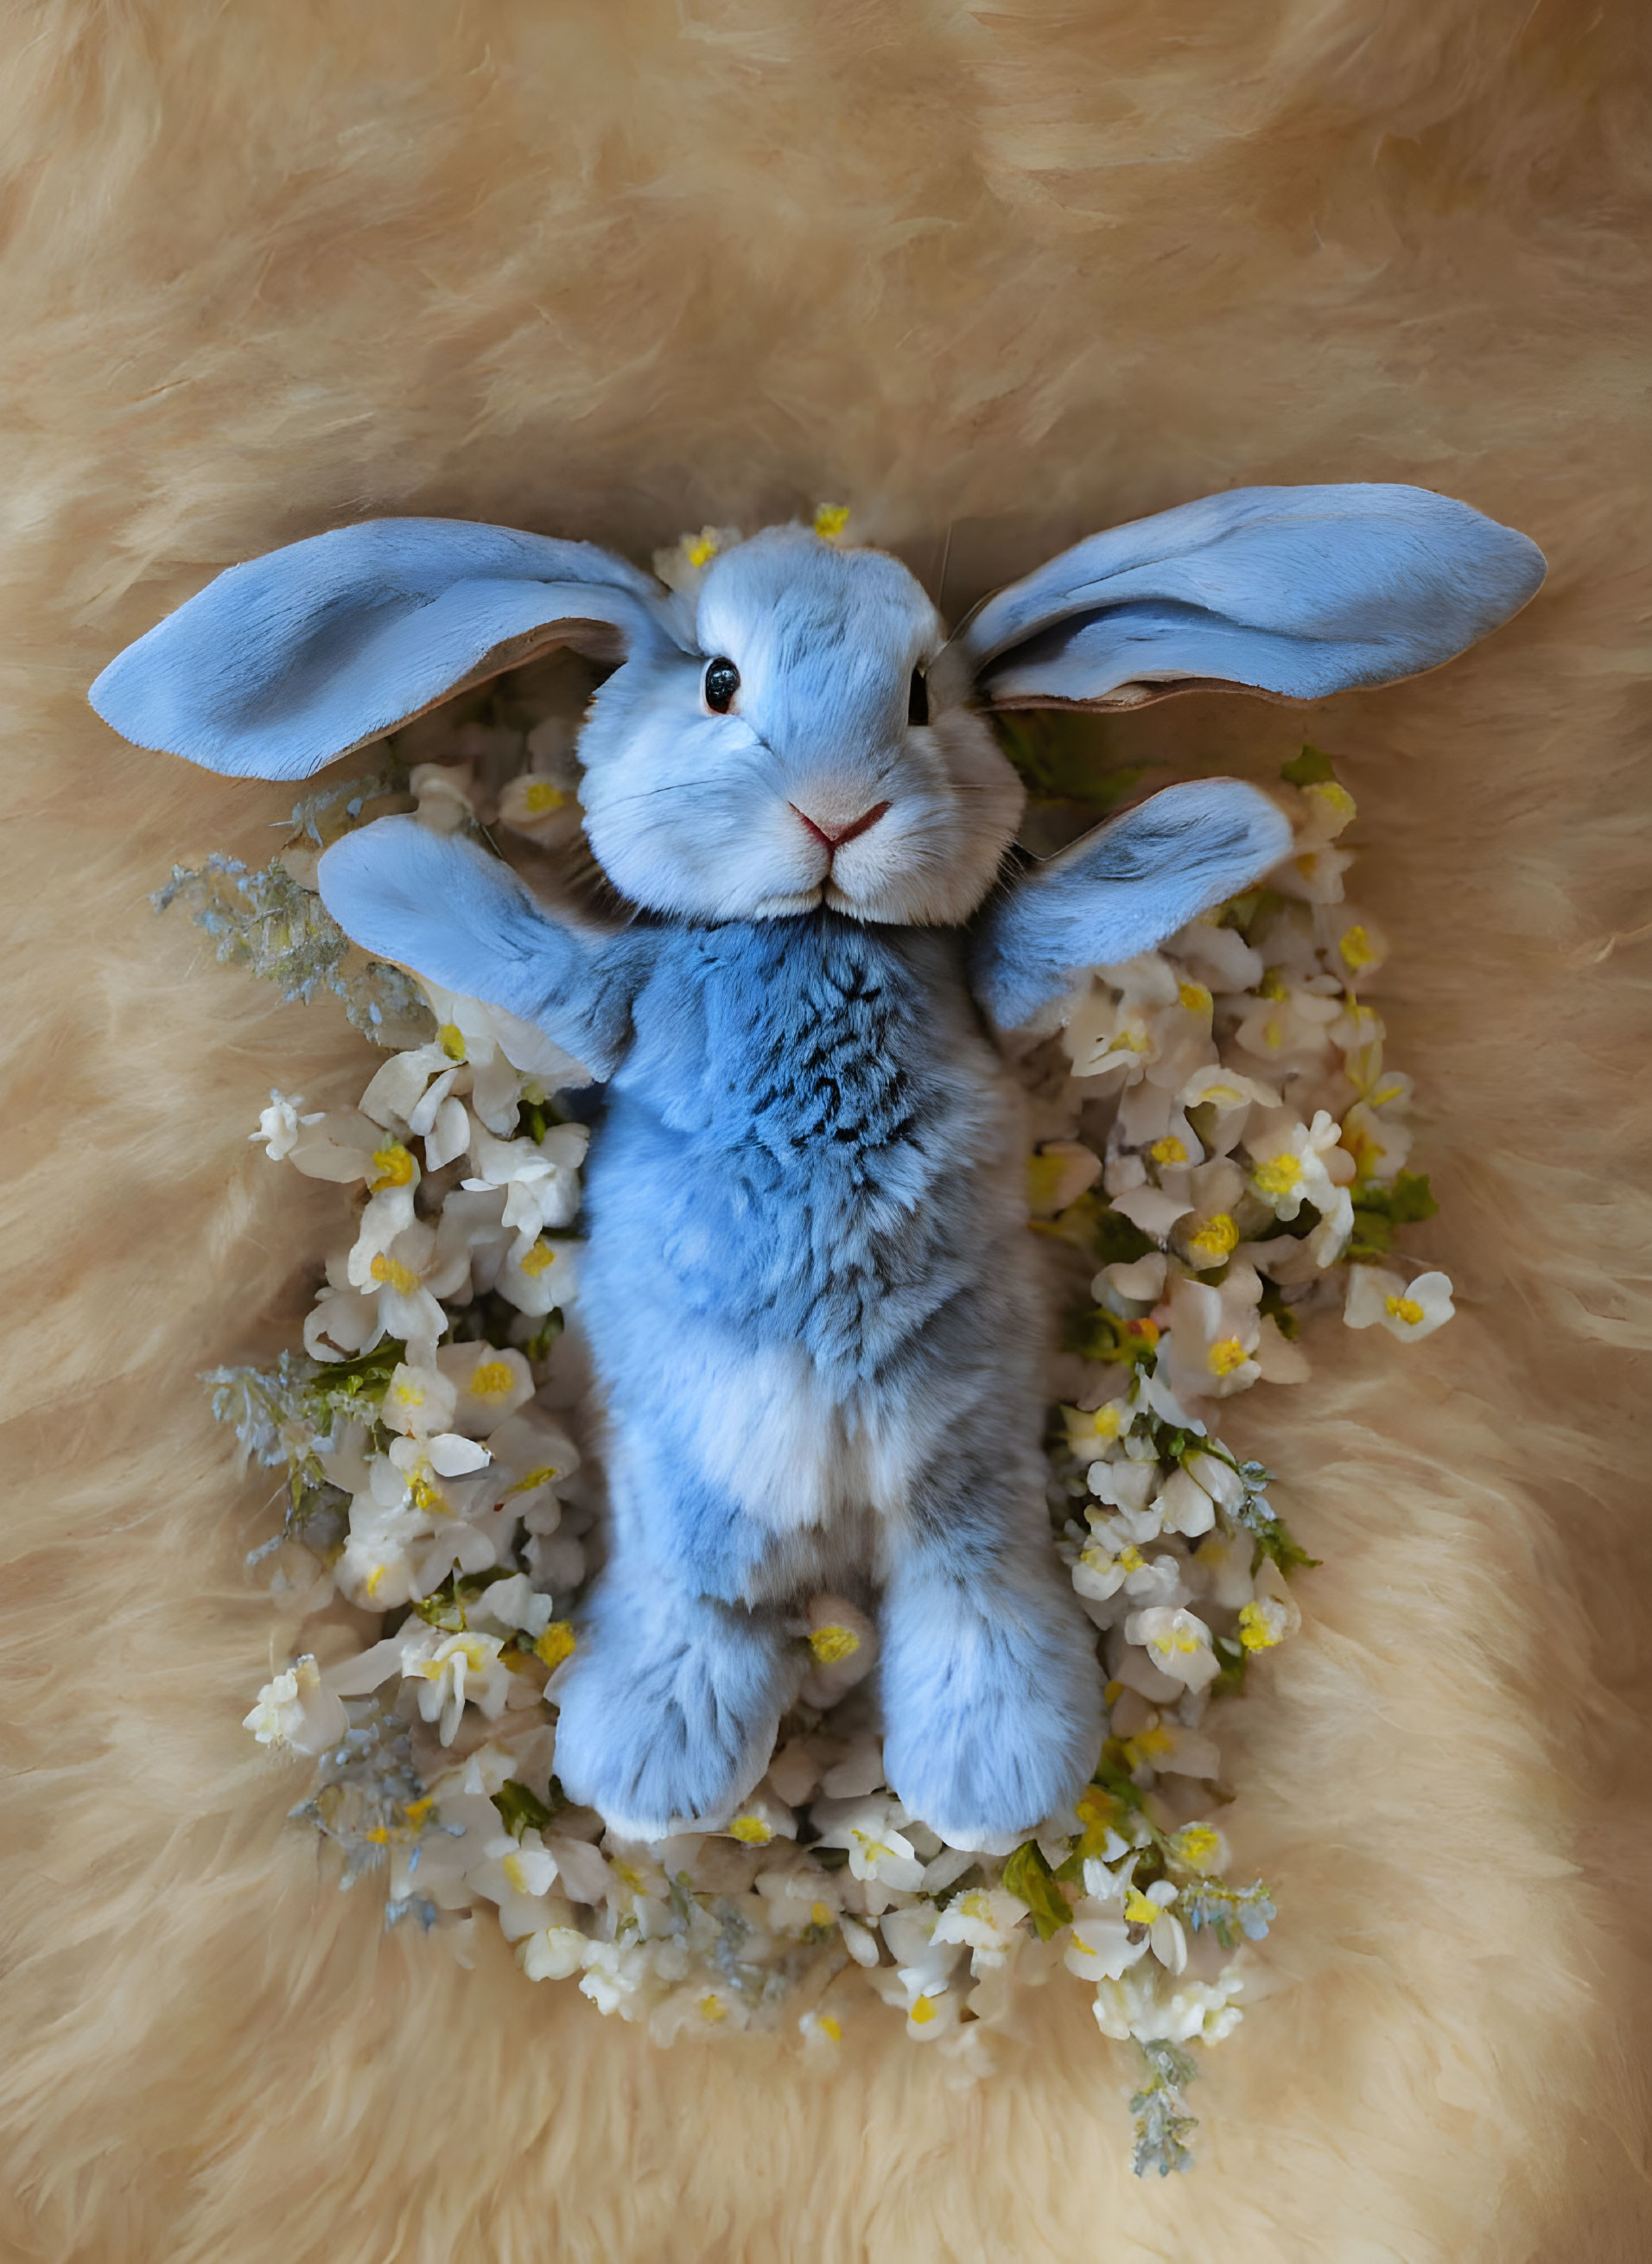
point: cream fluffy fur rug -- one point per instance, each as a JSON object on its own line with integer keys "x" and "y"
{"x": 1019, "y": 270}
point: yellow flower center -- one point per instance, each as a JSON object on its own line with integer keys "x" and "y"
{"x": 1168, "y": 1150}
{"x": 466, "y": 1650}
{"x": 514, "y": 1874}
{"x": 830, "y": 518}
{"x": 492, "y": 1379}
{"x": 538, "y": 1259}
{"x": 820, "y": 1914}
{"x": 1216, "y": 1239}
{"x": 1278, "y": 1175}
{"x": 1148, "y": 1744}
{"x": 713, "y": 2009}
{"x": 416, "y": 1810}
{"x": 425, "y": 1497}
{"x": 1273, "y": 1034}
{"x": 374, "y": 1578}
{"x": 394, "y": 1274}
{"x": 1199, "y": 1846}
{"x": 1273, "y": 983}
{"x": 1140, "y": 1909}
{"x": 833, "y": 1643}
{"x": 541, "y": 1477}
{"x": 540, "y": 796}
{"x": 450, "y": 1039}
{"x": 922, "y": 2013}
{"x": 1404, "y": 1308}
{"x": 701, "y": 549}
{"x": 1130, "y": 1558}
{"x": 1257, "y": 1630}
{"x": 1176, "y": 1642}
{"x": 1194, "y": 997}
{"x": 559, "y": 1641}
{"x": 1336, "y": 797}
{"x": 1131, "y": 1039}
{"x": 1095, "y": 1806}
{"x": 751, "y": 1831}
{"x": 829, "y": 2027}
{"x": 1142, "y": 1331}
{"x": 1357, "y": 949}
{"x": 393, "y": 1167}
{"x": 1226, "y": 1354}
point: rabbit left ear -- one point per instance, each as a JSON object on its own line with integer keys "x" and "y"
{"x": 1294, "y": 591}
{"x": 281, "y": 664}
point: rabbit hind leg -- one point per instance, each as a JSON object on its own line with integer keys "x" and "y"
{"x": 992, "y": 1688}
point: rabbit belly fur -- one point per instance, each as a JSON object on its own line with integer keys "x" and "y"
{"x": 813, "y": 1312}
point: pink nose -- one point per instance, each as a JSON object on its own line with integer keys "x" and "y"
{"x": 834, "y": 836}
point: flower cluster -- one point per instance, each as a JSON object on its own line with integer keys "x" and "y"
{"x": 1223, "y": 1155}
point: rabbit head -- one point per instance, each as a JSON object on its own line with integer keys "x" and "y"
{"x": 798, "y": 729}
{"x": 787, "y": 753}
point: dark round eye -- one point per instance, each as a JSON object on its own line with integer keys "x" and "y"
{"x": 722, "y": 681}
{"x": 917, "y": 698}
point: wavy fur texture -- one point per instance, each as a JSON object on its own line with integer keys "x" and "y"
{"x": 996, "y": 278}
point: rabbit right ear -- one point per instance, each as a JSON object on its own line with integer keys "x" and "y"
{"x": 284, "y": 663}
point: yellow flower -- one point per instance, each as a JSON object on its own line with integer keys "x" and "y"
{"x": 832, "y": 1643}
{"x": 830, "y": 518}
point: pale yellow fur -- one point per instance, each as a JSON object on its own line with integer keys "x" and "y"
{"x": 995, "y": 279}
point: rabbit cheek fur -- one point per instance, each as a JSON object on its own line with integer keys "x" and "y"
{"x": 813, "y": 1309}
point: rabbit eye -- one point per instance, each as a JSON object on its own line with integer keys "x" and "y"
{"x": 917, "y": 698}
{"x": 722, "y": 681}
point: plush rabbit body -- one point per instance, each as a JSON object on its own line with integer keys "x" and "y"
{"x": 808, "y": 1288}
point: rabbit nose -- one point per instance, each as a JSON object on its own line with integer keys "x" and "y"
{"x": 834, "y": 836}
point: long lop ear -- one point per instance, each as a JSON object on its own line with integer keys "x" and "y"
{"x": 1295, "y": 592}
{"x": 281, "y": 664}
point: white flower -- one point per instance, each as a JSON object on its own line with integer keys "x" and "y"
{"x": 1137, "y": 2004}
{"x": 1178, "y": 1641}
{"x": 298, "y": 1711}
{"x": 1058, "y": 1174}
{"x": 518, "y": 1876}
{"x": 843, "y": 1645}
{"x": 1291, "y": 1163}
{"x": 556, "y": 1953}
{"x": 396, "y": 1261}
{"x": 456, "y": 1670}
{"x": 870, "y": 1828}
{"x": 988, "y": 1920}
{"x": 538, "y": 1275}
{"x": 540, "y": 1177}
{"x": 1184, "y": 1506}
{"x": 280, "y": 1124}
{"x": 1273, "y": 1612}
{"x": 418, "y": 1401}
{"x": 1210, "y": 1346}
{"x": 489, "y": 1385}
{"x": 1408, "y": 1311}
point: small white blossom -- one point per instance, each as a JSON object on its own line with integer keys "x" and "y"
{"x": 1409, "y": 1310}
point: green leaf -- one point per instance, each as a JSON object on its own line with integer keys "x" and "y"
{"x": 1275, "y": 1538}
{"x": 1163, "y": 2126}
{"x": 1029, "y": 1879}
{"x": 1274, "y": 1307}
{"x": 1311, "y": 767}
{"x": 521, "y": 1809}
{"x": 1064, "y": 757}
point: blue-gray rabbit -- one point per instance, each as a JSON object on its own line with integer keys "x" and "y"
{"x": 809, "y": 1289}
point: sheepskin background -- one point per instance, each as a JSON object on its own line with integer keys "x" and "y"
{"x": 1021, "y": 271}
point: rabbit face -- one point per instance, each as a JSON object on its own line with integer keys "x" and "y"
{"x": 797, "y": 758}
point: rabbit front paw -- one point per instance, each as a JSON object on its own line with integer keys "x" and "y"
{"x": 992, "y": 1707}
{"x": 669, "y": 1710}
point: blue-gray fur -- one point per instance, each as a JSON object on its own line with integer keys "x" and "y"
{"x": 809, "y": 1292}
{"x": 1119, "y": 890}
{"x": 1300, "y": 591}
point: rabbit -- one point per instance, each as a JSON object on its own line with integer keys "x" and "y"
{"x": 809, "y": 1289}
